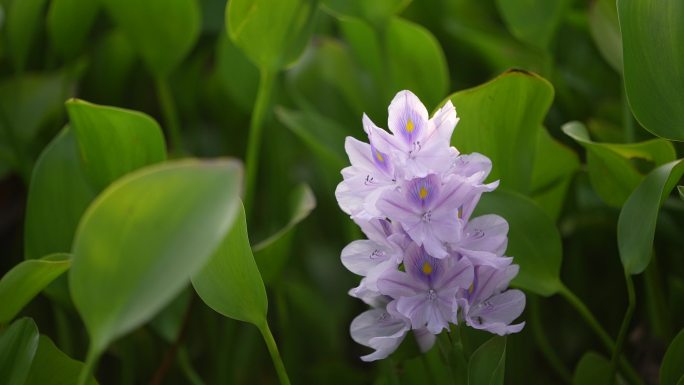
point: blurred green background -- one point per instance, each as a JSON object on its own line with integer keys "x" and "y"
{"x": 174, "y": 61}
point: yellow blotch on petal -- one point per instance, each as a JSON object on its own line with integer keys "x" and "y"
{"x": 427, "y": 268}
{"x": 379, "y": 157}
{"x": 409, "y": 126}
{"x": 471, "y": 288}
{"x": 423, "y": 193}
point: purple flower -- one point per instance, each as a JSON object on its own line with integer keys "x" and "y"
{"x": 426, "y": 292}
{"x": 380, "y": 330}
{"x": 484, "y": 241}
{"x": 487, "y": 306}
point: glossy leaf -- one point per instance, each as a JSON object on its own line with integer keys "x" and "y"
{"x": 376, "y": 12}
{"x": 68, "y": 24}
{"x": 230, "y": 282}
{"x": 533, "y": 240}
{"x": 605, "y": 30}
{"x": 58, "y": 195}
{"x": 488, "y": 363}
{"x": 637, "y": 221}
{"x": 271, "y": 253}
{"x": 554, "y": 167}
{"x": 592, "y": 369}
{"x": 18, "y": 345}
{"x": 52, "y": 367}
{"x": 114, "y": 141}
{"x": 19, "y": 285}
{"x": 23, "y": 23}
{"x": 238, "y": 76}
{"x": 652, "y": 33}
{"x": 533, "y": 21}
{"x": 516, "y": 102}
{"x": 162, "y": 31}
{"x": 142, "y": 239}
{"x": 671, "y": 369}
{"x": 272, "y": 34}
{"x": 611, "y": 171}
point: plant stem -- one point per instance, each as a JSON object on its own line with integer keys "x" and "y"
{"x": 89, "y": 365}
{"x": 544, "y": 345}
{"x": 630, "y": 374}
{"x": 631, "y": 304}
{"x": 187, "y": 369}
{"x": 275, "y": 356}
{"x": 168, "y": 107}
{"x": 261, "y": 108}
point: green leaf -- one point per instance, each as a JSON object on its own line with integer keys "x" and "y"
{"x": 533, "y": 240}
{"x": 162, "y": 31}
{"x": 52, "y": 367}
{"x": 271, "y": 253}
{"x": 593, "y": 369}
{"x": 238, "y": 76}
{"x": 518, "y": 102}
{"x": 554, "y": 166}
{"x": 612, "y": 172}
{"x": 637, "y": 221}
{"x": 376, "y": 12}
{"x": 26, "y": 280}
{"x": 143, "y": 237}
{"x": 488, "y": 363}
{"x": 57, "y": 197}
{"x": 23, "y": 23}
{"x": 681, "y": 191}
{"x": 273, "y": 34}
{"x": 652, "y": 33}
{"x": 18, "y": 345}
{"x": 114, "y": 141}
{"x": 230, "y": 282}
{"x": 68, "y": 24}
{"x": 533, "y": 21}
{"x": 671, "y": 370}
{"x": 605, "y": 30}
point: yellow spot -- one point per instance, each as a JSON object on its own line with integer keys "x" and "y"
{"x": 471, "y": 288}
{"x": 427, "y": 269}
{"x": 423, "y": 193}
{"x": 378, "y": 156}
{"x": 409, "y": 126}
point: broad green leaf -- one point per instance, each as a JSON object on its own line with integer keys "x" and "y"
{"x": 516, "y": 102}
{"x": 26, "y": 280}
{"x": 554, "y": 166}
{"x": 417, "y": 61}
{"x": 58, "y": 195}
{"x": 376, "y": 12}
{"x": 68, "y": 24}
{"x": 671, "y": 370}
{"x": 487, "y": 365}
{"x": 162, "y": 31}
{"x": 533, "y": 21}
{"x": 113, "y": 55}
{"x": 681, "y": 191}
{"x": 238, "y": 76}
{"x": 23, "y": 25}
{"x": 637, "y": 221}
{"x": 143, "y": 237}
{"x": 652, "y": 35}
{"x": 533, "y": 240}
{"x": 592, "y": 369}
{"x": 271, "y": 253}
{"x": 611, "y": 170}
{"x": 114, "y": 141}
{"x": 605, "y": 30}
{"x": 230, "y": 282}
{"x": 52, "y": 367}
{"x": 273, "y": 34}
{"x": 18, "y": 345}
{"x": 28, "y": 101}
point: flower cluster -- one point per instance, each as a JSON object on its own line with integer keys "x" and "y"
{"x": 426, "y": 262}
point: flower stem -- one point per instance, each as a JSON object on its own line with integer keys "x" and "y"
{"x": 261, "y": 108}
{"x": 631, "y": 304}
{"x": 170, "y": 113}
{"x": 629, "y": 372}
{"x": 275, "y": 356}
{"x": 89, "y": 365}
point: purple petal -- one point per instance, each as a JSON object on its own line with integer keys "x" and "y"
{"x": 361, "y": 256}
{"x": 398, "y": 284}
{"x": 425, "y": 339}
{"x": 377, "y": 329}
{"x": 408, "y": 117}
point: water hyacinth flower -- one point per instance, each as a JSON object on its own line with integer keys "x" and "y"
{"x": 425, "y": 263}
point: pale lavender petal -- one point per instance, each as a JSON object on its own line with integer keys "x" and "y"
{"x": 444, "y": 121}
{"x": 377, "y": 329}
{"x": 459, "y": 275}
{"x": 421, "y": 192}
{"x": 398, "y": 284}
{"x": 408, "y": 117}
{"x": 486, "y": 233}
{"x": 425, "y": 339}
{"x": 359, "y": 153}
{"x": 416, "y": 308}
{"x": 361, "y": 256}
{"x": 496, "y": 313}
